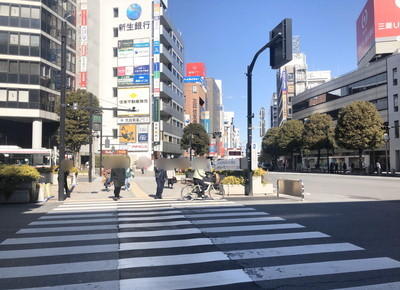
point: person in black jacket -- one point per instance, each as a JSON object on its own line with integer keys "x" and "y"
{"x": 160, "y": 175}
{"x": 118, "y": 178}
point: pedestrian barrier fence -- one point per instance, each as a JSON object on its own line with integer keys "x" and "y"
{"x": 293, "y": 187}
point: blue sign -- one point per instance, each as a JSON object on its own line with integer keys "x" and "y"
{"x": 156, "y": 47}
{"x": 156, "y": 66}
{"x": 134, "y": 11}
{"x": 143, "y": 137}
{"x": 141, "y": 70}
{"x": 193, "y": 80}
{"x": 141, "y": 44}
{"x": 141, "y": 79}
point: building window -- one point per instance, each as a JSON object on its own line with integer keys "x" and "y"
{"x": 115, "y": 12}
{"x": 194, "y": 89}
{"x": 396, "y": 129}
{"x": 115, "y": 52}
{"x": 115, "y": 71}
{"x": 396, "y": 102}
{"x": 115, "y": 29}
{"x": 115, "y": 92}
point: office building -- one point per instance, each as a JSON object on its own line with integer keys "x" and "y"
{"x": 195, "y": 91}
{"x": 375, "y": 80}
{"x": 274, "y": 111}
{"x": 137, "y": 65}
{"x": 30, "y": 64}
{"x": 293, "y": 79}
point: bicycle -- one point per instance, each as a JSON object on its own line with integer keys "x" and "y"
{"x": 192, "y": 191}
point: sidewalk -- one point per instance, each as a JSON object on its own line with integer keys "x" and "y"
{"x": 95, "y": 191}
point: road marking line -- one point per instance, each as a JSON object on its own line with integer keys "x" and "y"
{"x": 165, "y": 244}
{"x": 178, "y": 232}
{"x": 46, "y": 252}
{"x": 153, "y": 218}
{"x": 268, "y": 237}
{"x": 107, "y": 285}
{"x": 67, "y": 229}
{"x": 55, "y": 239}
{"x": 150, "y": 213}
{"x": 53, "y": 216}
{"x": 190, "y": 281}
{"x": 226, "y": 214}
{"x": 81, "y": 221}
{"x": 158, "y": 224}
{"x": 172, "y": 260}
{"x": 251, "y": 228}
{"x": 386, "y": 286}
{"x": 58, "y": 269}
{"x": 321, "y": 268}
{"x": 291, "y": 251}
{"x": 229, "y": 209}
{"x": 154, "y": 202}
{"x": 236, "y": 220}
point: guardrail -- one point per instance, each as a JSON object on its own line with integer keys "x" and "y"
{"x": 293, "y": 187}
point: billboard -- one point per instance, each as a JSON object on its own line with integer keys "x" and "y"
{"x": 365, "y": 29}
{"x": 133, "y": 62}
{"x": 134, "y": 97}
{"x": 196, "y": 69}
{"x": 387, "y": 19}
{"x": 127, "y": 133}
{"x": 378, "y": 21}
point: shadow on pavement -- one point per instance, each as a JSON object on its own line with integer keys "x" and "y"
{"x": 373, "y": 225}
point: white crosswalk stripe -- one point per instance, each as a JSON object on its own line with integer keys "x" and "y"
{"x": 172, "y": 244}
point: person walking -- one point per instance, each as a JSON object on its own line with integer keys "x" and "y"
{"x": 378, "y": 168}
{"x": 160, "y": 175}
{"x": 118, "y": 178}
{"x": 128, "y": 176}
{"x": 344, "y": 167}
{"x": 171, "y": 178}
{"x": 106, "y": 178}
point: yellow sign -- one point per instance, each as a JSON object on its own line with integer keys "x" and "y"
{"x": 127, "y": 133}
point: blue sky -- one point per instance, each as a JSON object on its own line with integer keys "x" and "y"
{"x": 225, "y": 34}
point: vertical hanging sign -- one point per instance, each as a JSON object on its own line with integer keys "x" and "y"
{"x": 83, "y": 45}
{"x": 156, "y": 49}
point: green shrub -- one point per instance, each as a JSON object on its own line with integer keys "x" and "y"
{"x": 12, "y": 175}
{"x": 259, "y": 172}
{"x": 233, "y": 180}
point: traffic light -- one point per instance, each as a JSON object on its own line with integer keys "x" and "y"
{"x": 281, "y": 48}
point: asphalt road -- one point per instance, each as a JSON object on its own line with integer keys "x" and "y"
{"x": 336, "y": 187}
{"x": 345, "y": 234}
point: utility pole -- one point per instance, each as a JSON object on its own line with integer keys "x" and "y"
{"x": 63, "y": 76}
{"x": 90, "y": 139}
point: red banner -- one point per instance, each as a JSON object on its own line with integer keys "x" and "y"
{"x": 84, "y": 18}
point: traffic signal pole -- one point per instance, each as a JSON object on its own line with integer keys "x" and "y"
{"x": 61, "y": 169}
{"x": 250, "y": 115}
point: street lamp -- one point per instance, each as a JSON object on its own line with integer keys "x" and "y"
{"x": 386, "y": 138}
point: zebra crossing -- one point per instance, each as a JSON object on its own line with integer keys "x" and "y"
{"x": 173, "y": 244}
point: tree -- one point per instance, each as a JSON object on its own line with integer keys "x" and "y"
{"x": 196, "y": 138}
{"x": 291, "y": 137}
{"x": 359, "y": 127}
{"x": 270, "y": 146}
{"x": 319, "y": 133}
{"x": 77, "y": 121}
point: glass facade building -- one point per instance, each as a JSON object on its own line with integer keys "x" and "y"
{"x": 30, "y": 62}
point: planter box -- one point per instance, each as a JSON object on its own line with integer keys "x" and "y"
{"x": 262, "y": 188}
{"x": 233, "y": 189}
{"x": 23, "y": 193}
